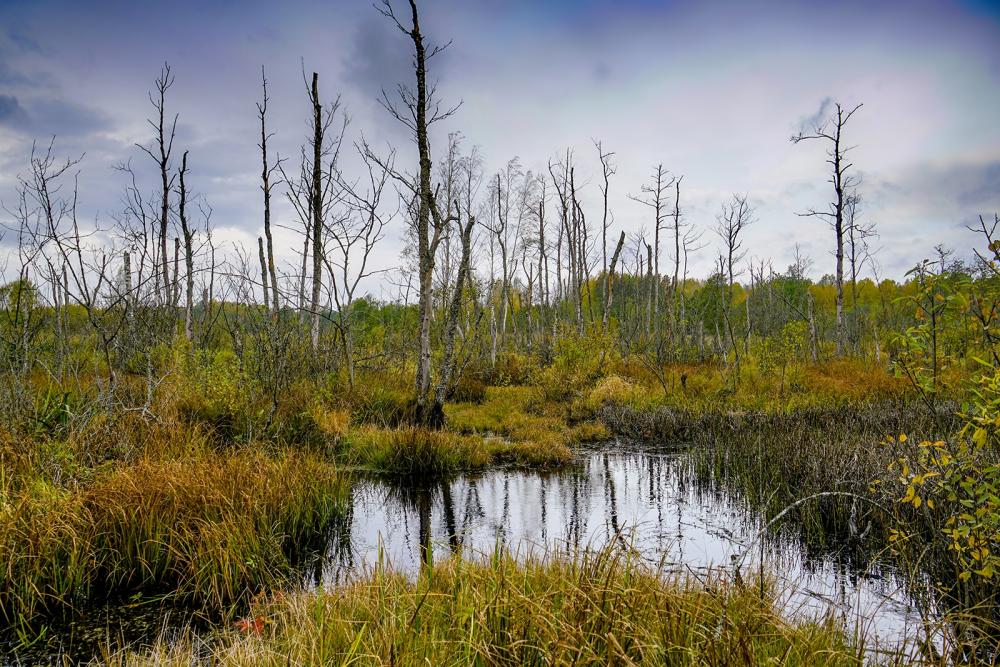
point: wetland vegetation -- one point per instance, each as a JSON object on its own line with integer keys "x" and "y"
{"x": 557, "y": 448}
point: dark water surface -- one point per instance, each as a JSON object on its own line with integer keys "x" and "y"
{"x": 640, "y": 497}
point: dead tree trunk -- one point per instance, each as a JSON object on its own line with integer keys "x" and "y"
{"x": 317, "y": 208}
{"x": 188, "y": 234}
{"x": 608, "y": 286}
{"x": 448, "y": 362}
{"x": 263, "y": 272}
{"x": 266, "y": 187}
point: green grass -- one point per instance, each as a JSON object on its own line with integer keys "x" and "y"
{"x": 542, "y": 429}
{"x": 593, "y": 609}
{"x": 418, "y": 451}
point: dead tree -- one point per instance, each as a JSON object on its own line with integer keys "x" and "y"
{"x": 311, "y": 196}
{"x": 263, "y": 273}
{"x": 267, "y": 172}
{"x": 654, "y": 195}
{"x": 858, "y": 253}
{"x": 832, "y": 130}
{"x": 607, "y": 171}
{"x": 690, "y": 243}
{"x": 677, "y": 230}
{"x": 419, "y": 111}
{"x": 355, "y": 235}
{"x": 316, "y": 206}
{"x": 608, "y": 278}
{"x": 445, "y": 384}
{"x": 163, "y": 144}
{"x": 188, "y": 235}
{"x": 735, "y": 217}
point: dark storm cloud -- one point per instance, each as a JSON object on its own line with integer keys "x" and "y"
{"x": 959, "y": 186}
{"x": 51, "y": 117}
{"x": 980, "y": 186}
{"x": 12, "y": 114}
{"x": 379, "y": 58}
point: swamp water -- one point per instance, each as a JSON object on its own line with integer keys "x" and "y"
{"x": 644, "y": 498}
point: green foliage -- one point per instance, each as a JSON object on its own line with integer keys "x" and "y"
{"x": 578, "y": 360}
{"x": 921, "y": 350}
{"x": 956, "y": 485}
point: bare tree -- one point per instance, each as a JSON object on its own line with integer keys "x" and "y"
{"x": 267, "y": 173}
{"x": 317, "y": 205}
{"x": 608, "y": 277}
{"x": 831, "y": 130}
{"x": 355, "y": 235}
{"x": 735, "y": 217}
{"x": 418, "y": 112}
{"x": 312, "y": 195}
{"x": 188, "y": 235}
{"x": 654, "y": 195}
{"x": 607, "y": 171}
{"x": 163, "y": 144}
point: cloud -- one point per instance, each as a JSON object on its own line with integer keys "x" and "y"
{"x": 12, "y": 114}
{"x": 817, "y": 119}
{"x": 949, "y": 189}
{"x": 980, "y": 186}
{"x": 380, "y": 57}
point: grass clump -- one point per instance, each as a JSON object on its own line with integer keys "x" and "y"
{"x": 422, "y": 452}
{"x": 594, "y": 609}
{"x": 539, "y": 431}
{"x": 413, "y": 451}
{"x": 209, "y": 530}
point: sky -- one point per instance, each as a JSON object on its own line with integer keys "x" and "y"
{"x": 711, "y": 90}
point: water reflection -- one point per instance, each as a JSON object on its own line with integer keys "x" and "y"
{"x": 647, "y": 500}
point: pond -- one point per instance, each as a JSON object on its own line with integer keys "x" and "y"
{"x": 644, "y": 498}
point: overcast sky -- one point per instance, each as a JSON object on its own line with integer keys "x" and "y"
{"x": 711, "y": 90}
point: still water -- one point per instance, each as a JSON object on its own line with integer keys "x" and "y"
{"x": 642, "y": 498}
{"x": 645, "y": 499}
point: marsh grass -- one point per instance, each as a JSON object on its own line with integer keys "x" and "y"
{"x": 540, "y": 431}
{"x": 422, "y": 452}
{"x": 751, "y": 386}
{"x": 598, "y": 608}
{"x": 211, "y": 530}
{"x": 775, "y": 459}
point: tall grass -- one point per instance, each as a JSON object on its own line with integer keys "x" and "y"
{"x": 605, "y": 608}
{"x": 775, "y": 459}
{"x": 212, "y": 530}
